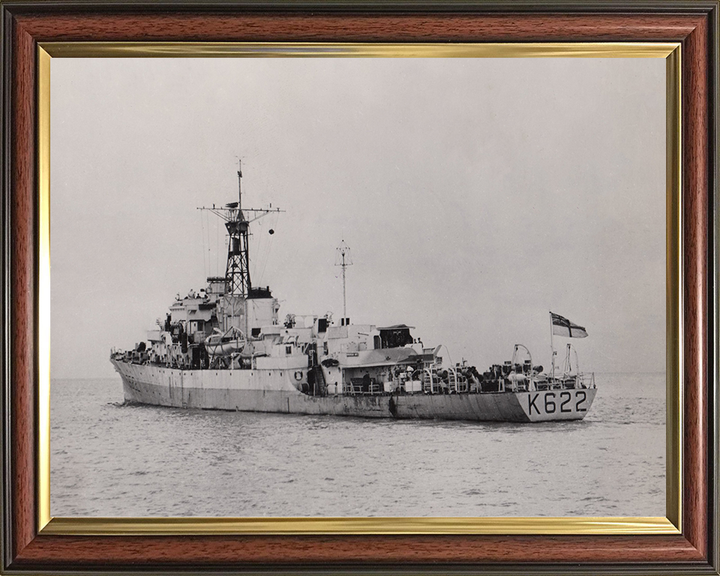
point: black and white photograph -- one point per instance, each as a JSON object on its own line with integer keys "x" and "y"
{"x": 358, "y": 287}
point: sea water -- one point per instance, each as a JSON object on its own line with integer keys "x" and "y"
{"x": 111, "y": 459}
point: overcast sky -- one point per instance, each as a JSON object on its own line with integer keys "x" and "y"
{"x": 475, "y": 195}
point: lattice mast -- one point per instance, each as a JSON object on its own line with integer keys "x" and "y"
{"x": 237, "y": 270}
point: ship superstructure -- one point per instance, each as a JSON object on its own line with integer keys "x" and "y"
{"x": 225, "y": 347}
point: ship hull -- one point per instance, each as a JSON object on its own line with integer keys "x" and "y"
{"x": 273, "y": 391}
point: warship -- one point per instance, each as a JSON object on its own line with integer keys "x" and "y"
{"x": 225, "y": 347}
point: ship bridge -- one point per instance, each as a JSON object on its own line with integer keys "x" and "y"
{"x": 395, "y": 336}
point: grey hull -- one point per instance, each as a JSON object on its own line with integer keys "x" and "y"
{"x": 201, "y": 389}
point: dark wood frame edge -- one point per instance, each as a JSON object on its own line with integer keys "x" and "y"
{"x": 5, "y": 59}
{"x": 696, "y": 551}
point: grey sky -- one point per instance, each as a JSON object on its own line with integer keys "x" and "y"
{"x": 475, "y": 194}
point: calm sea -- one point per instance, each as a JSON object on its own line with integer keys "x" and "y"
{"x": 109, "y": 459}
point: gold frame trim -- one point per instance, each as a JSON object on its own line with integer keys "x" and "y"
{"x": 287, "y": 526}
{"x": 358, "y": 50}
{"x": 295, "y": 526}
{"x": 43, "y": 172}
{"x": 674, "y": 292}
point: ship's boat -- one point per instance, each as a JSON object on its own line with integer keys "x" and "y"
{"x": 225, "y": 348}
{"x": 227, "y": 343}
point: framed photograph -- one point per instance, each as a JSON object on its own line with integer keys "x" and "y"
{"x": 359, "y": 287}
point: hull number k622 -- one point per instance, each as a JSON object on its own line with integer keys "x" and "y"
{"x": 552, "y": 402}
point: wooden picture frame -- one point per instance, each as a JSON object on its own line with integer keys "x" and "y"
{"x": 31, "y": 545}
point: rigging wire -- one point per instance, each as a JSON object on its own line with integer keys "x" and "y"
{"x": 202, "y": 238}
{"x": 273, "y": 225}
{"x": 260, "y": 245}
{"x": 209, "y": 245}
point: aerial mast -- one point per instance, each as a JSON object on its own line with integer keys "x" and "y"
{"x": 343, "y": 260}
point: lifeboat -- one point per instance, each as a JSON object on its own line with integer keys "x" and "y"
{"x": 230, "y": 342}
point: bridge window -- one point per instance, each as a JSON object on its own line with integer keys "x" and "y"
{"x": 395, "y": 336}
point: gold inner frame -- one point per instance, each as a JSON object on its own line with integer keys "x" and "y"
{"x": 671, "y": 524}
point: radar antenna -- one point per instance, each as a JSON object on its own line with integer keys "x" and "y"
{"x": 343, "y": 260}
{"x": 237, "y": 223}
